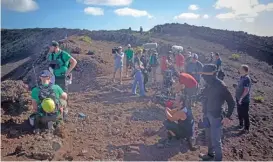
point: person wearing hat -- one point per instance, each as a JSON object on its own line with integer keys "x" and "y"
{"x": 118, "y": 63}
{"x": 215, "y": 94}
{"x": 129, "y": 52}
{"x": 194, "y": 67}
{"x": 48, "y": 100}
{"x": 218, "y": 63}
{"x": 62, "y": 64}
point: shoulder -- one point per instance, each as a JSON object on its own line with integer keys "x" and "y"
{"x": 65, "y": 53}
{"x": 34, "y": 90}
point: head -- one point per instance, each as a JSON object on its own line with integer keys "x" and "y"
{"x": 129, "y": 46}
{"x": 139, "y": 52}
{"x": 244, "y": 70}
{"x": 54, "y": 47}
{"x": 119, "y": 49}
{"x": 194, "y": 57}
{"x": 45, "y": 76}
{"x": 179, "y": 101}
{"x": 217, "y": 55}
{"x": 209, "y": 73}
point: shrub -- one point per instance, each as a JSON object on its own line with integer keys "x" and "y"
{"x": 235, "y": 57}
{"x": 258, "y": 99}
{"x": 85, "y": 39}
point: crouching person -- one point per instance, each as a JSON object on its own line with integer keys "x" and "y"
{"x": 180, "y": 123}
{"x": 48, "y": 102}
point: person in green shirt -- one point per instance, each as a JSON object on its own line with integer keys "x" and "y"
{"x": 50, "y": 91}
{"x": 62, "y": 64}
{"x": 129, "y": 58}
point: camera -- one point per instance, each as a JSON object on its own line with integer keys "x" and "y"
{"x": 115, "y": 50}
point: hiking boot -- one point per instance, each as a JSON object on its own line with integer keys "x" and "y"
{"x": 206, "y": 157}
{"x": 245, "y": 131}
{"x": 37, "y": 131}
{"x": 240, "y": 127}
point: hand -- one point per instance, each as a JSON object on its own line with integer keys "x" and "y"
{"x": 240, "y": 101}
{"x": 225, "y": 121}
{"x": 67, "y": 73}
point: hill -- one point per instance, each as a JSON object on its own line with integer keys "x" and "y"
{"x": 119, "y": 126}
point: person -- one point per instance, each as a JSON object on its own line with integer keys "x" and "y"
{"x": 136, "y": 59}
{"x": 48, "y": 101}
{"x": 154, "y": 63}
{"x": 218, "y": 63}
{"x": 179, "y": 123}
{"x": 194, "y": 68}
{"x": 190, "y": 86}
{"x": 129, "y": 58}
{"x": 145, "y": 71}
{"x": 179, "y": 61}
{"x": 62, "y": 64}
{"x": 138, "y": 79}
{"x": 118, "y": 56}
{"x": 215, "y": 94}
{"x": 163, "y": 64}
{"x": 242, "y": 96}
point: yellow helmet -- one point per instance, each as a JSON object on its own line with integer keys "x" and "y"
{"x": 48, "y": 105}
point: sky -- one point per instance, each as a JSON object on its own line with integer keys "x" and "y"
{"x": 252, "y": 16}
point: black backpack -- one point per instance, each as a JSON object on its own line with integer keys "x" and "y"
{"x": 48, "y": 92}
{"x": 61, "y": 57}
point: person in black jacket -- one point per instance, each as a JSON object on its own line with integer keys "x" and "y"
{"x": 215, "y": 94}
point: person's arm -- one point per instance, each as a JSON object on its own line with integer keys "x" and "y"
{"x": 63, "y": 96}
{"x": 179, "y": 115}
{"x": 35, "y": 99}
{"x": 73, "y": 63}
{"x": 171, "y": 111}
{"x": 230, "y": 101}
{"x": 246, "y": 85}
{"x": 34, "y": 105}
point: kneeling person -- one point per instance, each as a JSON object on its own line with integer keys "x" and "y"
{"x": 48, "y": 100}
{"x": 180, "y": 123}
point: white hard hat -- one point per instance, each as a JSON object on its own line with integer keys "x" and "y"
{"x": 129, "y": 45}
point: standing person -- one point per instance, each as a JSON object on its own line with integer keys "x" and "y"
{"x": 145, "y": 71}
{"x": 129, "y": 58}
{"x": 218, "y": 63}
{"x": 215, "y": 94}
{"x": 243, "y": 98}
{"x": 118, "y": 63}
{"x": 138, "y": 80}
{"x": 64, "y": 63}
{"x": 189, "y": 84}
{"x": 154, "y": 63}
{"x": 179, "y": 61}
{"x": 136, "y": 59}
{"x": 194, "y": 67}
{"x": 48, "y": 101}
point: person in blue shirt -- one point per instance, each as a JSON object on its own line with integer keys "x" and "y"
{"x": 218, "y": 63}
{"x": 118, "y": 56}
{"x": 194, "y": 68}
{"x": 243, "y": 98}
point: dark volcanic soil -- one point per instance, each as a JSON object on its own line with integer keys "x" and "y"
{"x": 119, "y": 126}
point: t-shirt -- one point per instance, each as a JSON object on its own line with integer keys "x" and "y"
{"x": 195, "y": 67}
{"x": 163, "y": 63}
{"x": 119, "y": 59}
{"x": 35, "y": 92}
{"x": 179, "y": 60}
{"x": 129, "y": 54}
{"x": 244, "y": 82}
{"x": 187, "y": 80}
{"x": 218, "y": 63}
{"x": 66, "y": 57}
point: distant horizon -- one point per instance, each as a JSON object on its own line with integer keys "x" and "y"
{"x": 253, "y": 17}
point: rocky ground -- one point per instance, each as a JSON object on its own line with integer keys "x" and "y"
{"x": 120, "y": 126}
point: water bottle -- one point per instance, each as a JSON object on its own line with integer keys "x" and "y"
{"x": 65, "y": 114}
{"x": 68, "y": 79}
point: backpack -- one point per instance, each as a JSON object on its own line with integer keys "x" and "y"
{"x": 61, "y": 57}
{"x": 48, "y": 92}
{"x": 154, "y": 59}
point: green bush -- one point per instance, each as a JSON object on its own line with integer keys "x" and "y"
{"x": 85, "y": 39}
{"x": 258, "y": 99}
{"x": 235, "y": 57}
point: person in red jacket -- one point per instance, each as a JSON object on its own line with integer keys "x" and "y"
{"x": 179, "y": 61}
{"x": 189, "y": 84}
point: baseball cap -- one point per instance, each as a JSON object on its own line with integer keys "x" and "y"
{"x": 119, "y": 47}
{"x": 129, "y": 45}
{"x": 54, "y": 43}
{"x": 45, "y": 73}
{"x": 195, "y": 56}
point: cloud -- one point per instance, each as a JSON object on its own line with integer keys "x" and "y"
{"x": 187, "y": 16}
{"x": 20, "y": 5}
{"x": 94, "y": 11}
{"x": 132, "y": 12}
{"x": 205, "y": 16}
{"x": 106, "y": 2}
{"x": 246, "y": 10}
{"x": 193, "y": 7}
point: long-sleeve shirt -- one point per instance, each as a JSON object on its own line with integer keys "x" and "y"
{"x": 216, "y": 94}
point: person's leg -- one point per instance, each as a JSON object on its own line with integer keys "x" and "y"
{"x": 240, "y": 114}
{"x": 127, "y": 66}
{"x": 114, "y": 74}
{"x": 134, "y": 86}
{"x": 64, "y": 109}
{"x": 121, "y": 70}
{"x": 60, "y": 81}
{"x": 215, "y": 135}
{"x": 154, "y": 74}
{"x": 246, "y": 115}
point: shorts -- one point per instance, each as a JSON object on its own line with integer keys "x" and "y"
{"x": 118, "y": 67}
{"x": 129, "y": 63}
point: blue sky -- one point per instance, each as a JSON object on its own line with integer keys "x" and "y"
{"x": 253, "y": 16}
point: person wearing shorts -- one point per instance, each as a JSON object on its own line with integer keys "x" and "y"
{"x": 129, "y": 53}
{"x": 118, "y": 63}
